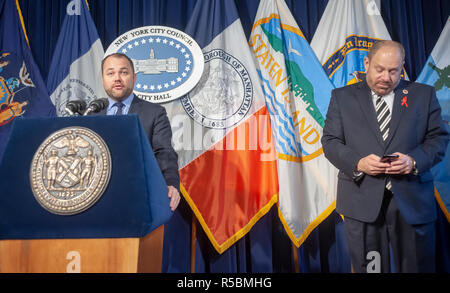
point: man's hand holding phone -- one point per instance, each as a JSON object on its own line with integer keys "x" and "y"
{"x": 388, "y": 158}
{"x": 372, "y": 165}
{"x": 403, "y": 164}
{"x": 396, "y": 163}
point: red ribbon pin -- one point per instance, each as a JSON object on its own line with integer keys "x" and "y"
{"x": 404, "y": 100}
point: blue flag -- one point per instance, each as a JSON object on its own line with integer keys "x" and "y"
{"x": 22, "y": 90}
{"x": 75, "y": 70}
{"x": 437, "y": 73}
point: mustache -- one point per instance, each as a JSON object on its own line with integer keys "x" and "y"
{"x": 385, "y": 83}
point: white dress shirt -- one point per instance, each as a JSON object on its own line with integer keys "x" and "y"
{"x": 389, "y": 99}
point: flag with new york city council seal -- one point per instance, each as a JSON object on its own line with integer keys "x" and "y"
{"x": 168, "y": 63}
{"x": 297, "y": 95}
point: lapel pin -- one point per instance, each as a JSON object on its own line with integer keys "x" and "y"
{"x": 404, "y": 101}
{"x": 405, "y": 91}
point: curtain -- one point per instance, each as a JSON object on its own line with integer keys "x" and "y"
{"x": 266, "y": 248}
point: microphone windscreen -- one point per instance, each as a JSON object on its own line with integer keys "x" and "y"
{"x": 76, "y": 106}
{"x": 98, "y": 105}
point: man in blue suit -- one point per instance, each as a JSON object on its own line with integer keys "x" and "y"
{"x": 387, "y": 202}
{"x": 118, "y": 80}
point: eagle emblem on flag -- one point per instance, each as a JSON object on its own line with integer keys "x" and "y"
{"x": 13, "y": 79}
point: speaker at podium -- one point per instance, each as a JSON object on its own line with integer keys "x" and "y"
{"x": 81, "y": 194}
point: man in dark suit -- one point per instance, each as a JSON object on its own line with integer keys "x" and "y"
{"x": 388, "y": 203}
{"x": 118, "y": 80}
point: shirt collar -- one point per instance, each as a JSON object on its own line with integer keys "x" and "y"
{"x": 126, "y": 102}
{"x": 375, "y": 96}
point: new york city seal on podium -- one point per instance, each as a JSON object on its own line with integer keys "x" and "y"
{"x": 70, "y": 170}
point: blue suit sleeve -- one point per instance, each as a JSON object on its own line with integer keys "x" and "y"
{"x": 162, "y": 147}
{"x": 432, "y": 149}
{"x": 333, "y": 140}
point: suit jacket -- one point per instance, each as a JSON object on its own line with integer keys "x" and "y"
{"x": 351, "y": 132}
{"x": 153, "y": 118}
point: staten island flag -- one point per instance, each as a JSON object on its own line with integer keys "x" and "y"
{"x": 75, "y": 70}
{"x": 346, "y": 32}
{"x": 437, "y": 73}
{"x": 297, "y": 95}
{"x": 221, "y": 131}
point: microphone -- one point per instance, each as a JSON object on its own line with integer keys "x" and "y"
{"x": 96, "y": 106}
{"x": 73, "y": 107}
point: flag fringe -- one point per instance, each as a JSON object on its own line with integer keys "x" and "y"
{"x": 441, "y": 204}
{"x": 19, "y": 11}
{"x": 299, "y": 241}
{"x": 220, "y": 248}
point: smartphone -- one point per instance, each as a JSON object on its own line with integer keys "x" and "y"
{"x": 388, "y": 158}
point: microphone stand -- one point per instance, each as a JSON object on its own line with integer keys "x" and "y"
{"x": 68, "y": 111}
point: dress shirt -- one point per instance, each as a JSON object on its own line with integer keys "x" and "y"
{"x": 113, "y": 109}
{"x": 389, "y": 99}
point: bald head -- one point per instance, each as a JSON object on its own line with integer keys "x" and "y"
{"x": 384, "y": 66}
{"x": 386, "y": 43}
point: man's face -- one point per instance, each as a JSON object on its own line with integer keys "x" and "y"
{"x": 383, "y": 70}
{"x": 118, "y": 78}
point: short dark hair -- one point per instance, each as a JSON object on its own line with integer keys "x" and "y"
{"x": 118, "y": 55}
{"x": 385, "y": 43}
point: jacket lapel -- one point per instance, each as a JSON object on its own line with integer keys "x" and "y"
{"x": 365, "y": 101}
{"x": 134, "y": 107}
{"x": 397, "y": 111}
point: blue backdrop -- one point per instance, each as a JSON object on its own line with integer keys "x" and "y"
{"x": 415, "y": 23}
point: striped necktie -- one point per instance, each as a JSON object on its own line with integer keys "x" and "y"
{"x": 120, "y": 107}
{"x": 384, "y": 121}
{"x": 383, "y": 116}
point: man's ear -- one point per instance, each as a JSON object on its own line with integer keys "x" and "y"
{"x": 366, "y": 63}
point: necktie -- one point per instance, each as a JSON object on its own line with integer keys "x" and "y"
{"x": 383, "y": 116}
{"x": 119, "y": 106}
{"x": 384, "y": 120}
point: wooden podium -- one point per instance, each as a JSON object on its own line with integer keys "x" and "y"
{"x": 107, "y": 255}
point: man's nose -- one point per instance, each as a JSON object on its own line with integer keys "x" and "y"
{"x": 386, "y": 76}
{"x": 116, "y": 77}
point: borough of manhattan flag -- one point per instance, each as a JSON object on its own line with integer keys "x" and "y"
{"x": 346, "y": 32}
{"x": 221, "y": 131}
{"x": 297, "y": 93}
{"x": 22, "y": 90}
{"x": 75, "y": 70}
{"x": 436, "y": 72}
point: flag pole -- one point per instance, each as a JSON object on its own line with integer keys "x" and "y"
{"x": 295, "y": 256}
{"x": 193, "y": 242}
